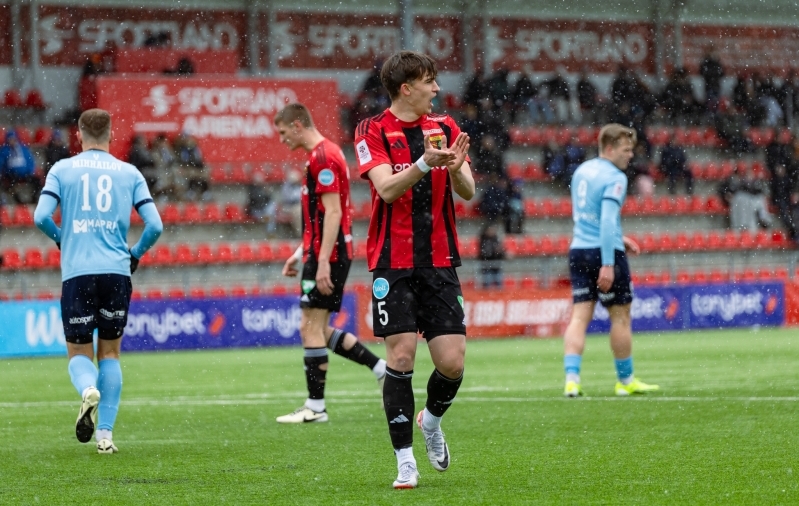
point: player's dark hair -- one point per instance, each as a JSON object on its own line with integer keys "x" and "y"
{"x": 404, "y": 67}
{"x": 292, "y": 113}
{"x": 612, "y": 133}
{"x": 95, "y": 126}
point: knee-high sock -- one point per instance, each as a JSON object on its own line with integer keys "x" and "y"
{"x": 440, "y": 392}
{"x": 399, "y": 405}
{"x": 110, "y": 385}
{"x": 82, "y": 372}
{"x": 314, "y": 359}
{"x": 358, "y": 353}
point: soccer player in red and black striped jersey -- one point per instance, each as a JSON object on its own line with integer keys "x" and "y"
{"x": 414, "y": 160}
{"x": 327, "y": 254}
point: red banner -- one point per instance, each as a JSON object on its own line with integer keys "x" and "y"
{"x": 742, "y": 48}
{"x": 497, "y": 313}
{"x": 357, "y": 41}
{"x": 791, "y": 303}
{"x": 5, "y": 35}
{"x": 548, "y": 45}
{"x": 69, "y": 34}
{"x": 231, "y": 118}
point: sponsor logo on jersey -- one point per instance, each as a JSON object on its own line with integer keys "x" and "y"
{"x": 380, "y": 288}
{"x": 364, "y": 155}
{"x": 618, "y": 190}
{"x": 83, "y": 226}
{"x": 308, "y": 285}
{"x": 433, "y": 131}
{"x": 394, "y": 134}
{"x": 326, "y": 177}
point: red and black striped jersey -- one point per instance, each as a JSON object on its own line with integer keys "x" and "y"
{"x": 417, "y": 229}
{"x": 325, "y": 172}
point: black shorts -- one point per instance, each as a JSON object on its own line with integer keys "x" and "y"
{"x": 584, "y": 265}
{"x": 428, "y": 300}
{"x": 312, "y": 298}
{"x": 95, "y": 301}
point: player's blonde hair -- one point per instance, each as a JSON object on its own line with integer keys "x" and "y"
{"x": 95, "y": 126}
{"x": 292, "y": 113}
{"x": 612, "y": 133}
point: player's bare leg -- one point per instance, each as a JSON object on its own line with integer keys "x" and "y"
{"x": 399, "y": 404}
{"x": 574, "y": 345}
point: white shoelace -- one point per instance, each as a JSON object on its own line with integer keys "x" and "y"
{"x": 435, "y": 441}
{"x": 407, "y": 472}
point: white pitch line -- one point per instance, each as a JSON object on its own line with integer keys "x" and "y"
{"x": 233, "y": 401}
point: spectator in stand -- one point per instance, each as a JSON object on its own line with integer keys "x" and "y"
{"x": 476, "y": 90}
{"x": 712, "y": 73}
{"x": 778, "y": 152}
{"x": 523, "y": 92}
{"x": 494, "y": 204}
{"x": 745, "y": 196}
{"x": 499, "y": 91}
{"x": 559, "y": 97}
{"x": 514, "y": 219}
{"x": 87, "y": 86}
{"x": 561, "y": 162}
{"x": 166, "y": 186}
{"x": 730, "y": 126}
{"x": 471, "y": 124}
{"x": 746, "y": 99}
{"x": 140, "y": 157}
{"x": 192, "y": 170}
{"x": 18, "y": 170}
{"x": 639, "y": 176}
{"x": 259, "y": 200}
{"x": 674, "y": 165}
{"x": 489, "y": 158}
{"x": 789, "y": 96}
{"x": 56, "y": 149}
{"x": 290, "y": 206}
{"x": 491, "y": 256}
{"x": 587, "y": 97}
{"x": 768, "y": 96}
{"x": 678, "y": 97}
{"x": 783, "y": 186}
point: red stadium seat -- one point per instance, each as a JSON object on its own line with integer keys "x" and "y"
{"x": 191, "y": 213}
{"x": 175, "y": 293}
{"x": 683, "y": 277}
{"x": 217, "y": 292}
{"x": 42, "y": 135}
{"x": 170, "y": 213}
{"x": 279, "y": 290}
{"x": 224, "y": 253}
{"x": 13, "y": 98}
{"x": 34, "y": 260}
{"x": 264, "y": 253}
{"x": 284, "y": 250}
{"x": 238, "y": 291}
{"x": 233, "y": 213}
{"x": 211, "y": 213}
{"x": 161, "y": 256}
{"x": 718, "y": 276}
{"x": 197, "y": 292}
{"x": 183, "y": 255}
{"x": 529, "y": 283}
{"x": 53, "y": 258}
{"x": 244, "y": 253}
{"x": 204, "y": 254}
{"x": 23, "y": 217}
{"x": 155, "y": 293}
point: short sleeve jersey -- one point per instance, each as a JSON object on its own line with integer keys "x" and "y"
{"x": 326, "y": 172}
{"x": 593, "y": 182}
{"x": 97, "y": 193}
{"x": 417, "y": 229}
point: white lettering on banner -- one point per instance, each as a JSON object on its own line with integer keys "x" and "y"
{"x": 641, "y": 308}
{"x": 596, "y": 47}
{"x": 287, "y": 323}
{"x": 228, "y": 127}
{"x": 44, "y": 327}
{"x": 367, "y": 41}
{"x": 727, "y": 306}
{"x": 194, "y": 100}
{"x": 487, "y": 313}
{"x": 162, "y": 326}
{"x": 95, "y": 34}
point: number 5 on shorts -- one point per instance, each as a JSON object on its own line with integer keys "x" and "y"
{"x": 382, "y": 312}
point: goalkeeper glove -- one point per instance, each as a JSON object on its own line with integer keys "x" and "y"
{"x": 134, "y": 263}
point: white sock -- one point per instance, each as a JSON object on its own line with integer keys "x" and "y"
{"x": 317, "y": 405}
{"x": 627, "y": 380}
{"x": 572, "y": 377}
{"x": 404, "y": 455}
{"x": 103, "y": 434}
{"x": 430, "y": 422}
{"x": 379, "y": 369}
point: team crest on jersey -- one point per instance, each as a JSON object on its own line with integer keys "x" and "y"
{"x": 380, "y": 288}
{"x": 438, "y": 141}
{"x": 326, "y": 177}
{"x": 308, "y": 285}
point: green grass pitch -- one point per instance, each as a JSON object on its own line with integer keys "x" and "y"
{"x": 198, "y": 428}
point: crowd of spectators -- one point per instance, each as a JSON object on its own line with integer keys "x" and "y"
{"x": 174, "y": 170}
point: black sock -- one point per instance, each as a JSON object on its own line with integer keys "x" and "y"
{"x": 398, "y": 402}
{"x": 315, "y": 358}
{"x": 440, "y": 392}
{"x": 358, "y": 353}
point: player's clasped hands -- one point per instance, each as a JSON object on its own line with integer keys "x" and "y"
{"x": 451, "y": 157}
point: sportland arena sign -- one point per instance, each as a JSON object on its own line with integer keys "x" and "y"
{"x": 232, "y": 118}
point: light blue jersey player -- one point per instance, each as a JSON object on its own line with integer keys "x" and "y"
{"x": 597, "y": 260}
{"x": 97, "y": 193}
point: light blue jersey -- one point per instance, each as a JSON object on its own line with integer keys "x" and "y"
{"x": 97, "y": 193}
{"x": 598, "y": 191}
